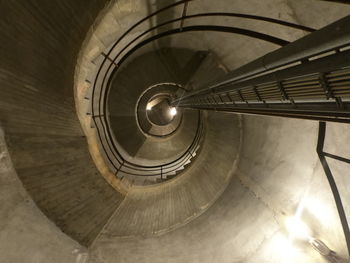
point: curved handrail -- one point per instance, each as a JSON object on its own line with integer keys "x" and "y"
{"x": 140, "y": 119}
{"x": 219, "y": 14}
{"x": 102, "y": 107}
{"x": 199, "y": 129}
{"x": 225, "y": 29}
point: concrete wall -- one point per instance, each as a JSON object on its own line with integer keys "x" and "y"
{"x": 127, "y": 86}
{"x": 234, "y": 50}
{"x": 158, "y": 209}
{"x": 26, "y": 235}
{"x": 280, "y": 166}
{"x": 278, "y": 170}
{"x": 40, "y": 41}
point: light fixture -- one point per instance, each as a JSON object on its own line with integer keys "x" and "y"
{"x": 148, "y": 107}
{"x": 173, "y": 111}
{"x": 320, "y": 247}
{"x": 297, "y": 229}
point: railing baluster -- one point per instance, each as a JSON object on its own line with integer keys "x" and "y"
{"x": 99, "y": 87}
{"x": 184, "y": 12}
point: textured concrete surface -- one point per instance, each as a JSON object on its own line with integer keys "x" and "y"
{"x": 157, "y": 209}
{"x": 235, "y": 50}
{"x": 128, "y": 84}
{"x": 215, "y": 236}
{"x": 26, "y": 235}
{"x": 163, "y": 150}
{"x": 237, "y": 228}
{"x": 337, "y": 136}
{"x": 40, "y": 42}
{"x": 280, "y": 166}
{"x": 232, "y": 50}
{"x": 278, "y": 170}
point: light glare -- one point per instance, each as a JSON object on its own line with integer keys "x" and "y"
{"x": 297, "y": 228}
{"x": 320, "y": 210}
{"x": 173, "y": 111}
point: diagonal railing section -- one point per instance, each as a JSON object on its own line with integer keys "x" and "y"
{"x": 309, "y": 78}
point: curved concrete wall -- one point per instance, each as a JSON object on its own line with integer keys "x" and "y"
{"x": 40, "y": 41}
{"x": 127, "y": 85}
{"x": 146, "y": 211}
{"x": 278, "y": 170}
{"x": 25, "y": 233}
{"x": 157, "y": 209}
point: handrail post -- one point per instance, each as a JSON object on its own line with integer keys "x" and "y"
{"x": 184, "y": 12}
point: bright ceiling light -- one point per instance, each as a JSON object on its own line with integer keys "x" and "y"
{"x": 320, "y": 210}
{"x": 297, "y": 228}
{"x": 173, "y": 111}
{"x": 148, "y": 107}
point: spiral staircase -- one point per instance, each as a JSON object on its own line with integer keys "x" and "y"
{"x": 106, "y": 133}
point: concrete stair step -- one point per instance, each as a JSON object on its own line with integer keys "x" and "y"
{"x": 158, "y": 208}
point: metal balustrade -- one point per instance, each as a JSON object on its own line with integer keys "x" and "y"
{"x": 109, "y": 62}
{"x": 309, "y": 79}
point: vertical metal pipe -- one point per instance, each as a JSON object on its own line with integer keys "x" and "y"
{"x": 332, "y": 183}
{"x": 184, "y": 12}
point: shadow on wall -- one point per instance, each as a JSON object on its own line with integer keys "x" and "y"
{"x": 160, "y": 18}
{"x": 25, "y": 233}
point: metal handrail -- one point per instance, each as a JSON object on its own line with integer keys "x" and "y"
{"x": 103, "y": 93}
{"x": 193, "y": 145}
{"x": 141, "y": 106}
{"x": 215, "y": 14}
{"x": 304, "y": 49}
{"x": 182, "y": 159}
{"x": 307, "y": 79}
